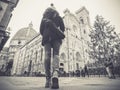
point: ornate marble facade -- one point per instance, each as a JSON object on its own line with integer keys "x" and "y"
{"x": 73, "y": 52}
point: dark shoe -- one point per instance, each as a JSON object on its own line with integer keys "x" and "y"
{"x": 48, "y": 82}
{"x": 55, "y": 81}
{"x": 112, "y": 77}
{"x": 55, "y": 84}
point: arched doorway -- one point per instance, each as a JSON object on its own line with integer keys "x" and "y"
{"x": 78, "y": 59}
{"x": 63, "y": 60}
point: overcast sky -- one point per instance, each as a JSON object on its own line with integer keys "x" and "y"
{"x": 32, "y": 10}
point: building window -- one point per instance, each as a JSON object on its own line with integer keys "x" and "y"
{"x": 88, "y": 21}
{"x": 36, "y": 53}
{"x": 4, "y": 58}
{"x": 81, "y": 20}
{"x": 77, "y": 66}
{"x": 19, "y": 42}
{"x": 84, "y": 31}
{"x": 78, "y": 57}
{"x": 74, "y": 28}
{"x": 61, "y": 64}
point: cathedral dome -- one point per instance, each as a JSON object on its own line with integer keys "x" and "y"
{"x": 26, "y": 33}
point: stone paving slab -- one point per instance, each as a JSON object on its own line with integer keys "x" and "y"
{"x": 37, "y": 83}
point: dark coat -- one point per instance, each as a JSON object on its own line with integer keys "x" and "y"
{"x": 46, "y": 27}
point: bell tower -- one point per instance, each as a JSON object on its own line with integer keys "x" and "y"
{"x": 84, "y": 21}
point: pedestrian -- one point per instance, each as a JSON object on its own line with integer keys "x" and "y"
{"x": 83, "y": 73}
{"x": 8, "y": 68}
{"x": 110, "y": 68}
{"x": 86, "y": 70}
{"x": 25, "y": 73}
{"x": 2, "y": 70}
{"x": 51, "y": 29}
{"x": 29, "y": 68}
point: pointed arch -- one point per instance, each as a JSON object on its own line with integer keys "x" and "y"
{"x": 78, "y": 56}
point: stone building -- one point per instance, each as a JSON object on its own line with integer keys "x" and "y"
{"x": 6, "y": 8}
{"x": 85, "y": 27}
{"x": 73, "y": 52}
{"x": 29, "y": 56}
{"x": 20, "y": 38}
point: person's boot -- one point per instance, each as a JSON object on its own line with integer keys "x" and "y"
{"x": 55, "y": 80}
{"x": 48, "y": 82}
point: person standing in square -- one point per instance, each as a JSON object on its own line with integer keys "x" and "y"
{"x": 51, "y": 29}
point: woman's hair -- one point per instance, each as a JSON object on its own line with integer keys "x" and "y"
{"x": 50, "y": 13}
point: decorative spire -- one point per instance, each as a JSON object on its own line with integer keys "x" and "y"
{"x": 66, "y": 11}
{"x": 9, "y": 29}
{"x": 29, "y": 28}
{"x": 30, "y": 25}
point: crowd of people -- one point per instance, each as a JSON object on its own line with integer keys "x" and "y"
{"x": 5, "y": 70}
{"x": 94, "y": 71}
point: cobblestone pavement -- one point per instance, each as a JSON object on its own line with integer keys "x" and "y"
{"x": 68, "y": 83}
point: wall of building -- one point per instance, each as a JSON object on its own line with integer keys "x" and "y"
{"x": 31, "y": 51}
{"x": 6, "y": 8}
{"x": 83, "y": 16}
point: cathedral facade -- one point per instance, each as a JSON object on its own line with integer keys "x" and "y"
{"x": 73, "y": 52}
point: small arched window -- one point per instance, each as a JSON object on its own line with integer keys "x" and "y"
{"x": 63, "y": 56}
{"x": 74, "y": 28}
{"x": 88, "y": 21}
{"x": 81, "y": 20}
{"x": 61, "y": 64}
{"x": 84, "y": 31}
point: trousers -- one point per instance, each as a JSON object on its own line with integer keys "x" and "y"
{"x": 55, "y": 45}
